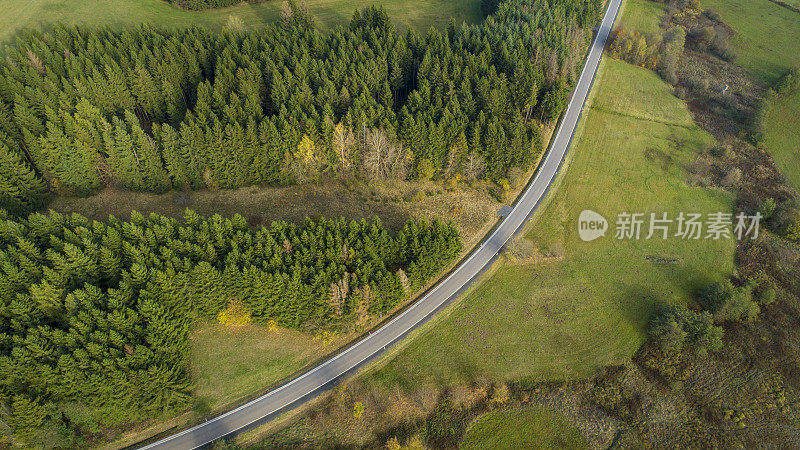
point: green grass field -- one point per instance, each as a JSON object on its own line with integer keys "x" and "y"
{"x": 231, "y": 363}
{"x": 418, "y": 14}
{"x": 531, "y": 428}
{"x": 641, "y": 15}
{"x": 767, "y": 35}
{"x": 782, "y": 136}
{"x": 566, "y": 319}
{"x": 768, "y": 43}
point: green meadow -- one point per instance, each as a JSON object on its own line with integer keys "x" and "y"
{"x": 782, "y": 135}
{"x": 232, "y": 363}
{"x": 641, "y": 15}
{"x": 565, "y": 317}
{"x": 417, "y": 14}
{"x": 533, "y": 428}
{"x": 767, "y": 36}
{"x": 768, "y": 42}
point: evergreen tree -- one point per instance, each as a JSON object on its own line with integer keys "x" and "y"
{"x": 152, "y": 169}
{"x": 20, "y": 189}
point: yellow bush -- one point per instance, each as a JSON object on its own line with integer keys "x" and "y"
{"x": 504, "y": 184}
{"x": 358, "y": 410}
{"x": 326, "y": 337}
{"x": 501, "y": 394}
{"x": 235, "y": 314}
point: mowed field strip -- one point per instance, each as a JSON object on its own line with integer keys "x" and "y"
{"x": 534, "y": 427}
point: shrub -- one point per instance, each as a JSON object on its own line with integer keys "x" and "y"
{"x": 720, "y": 151}
{"x": 235, "y": 314}
{"x": 676, "y": 328}
{"x": 670, "y": 335}
{"x": 788, "y": 83}
{"x": 703, "y": 36}
{"x": 714, "y": 296}
{"x": 766, "y": 296}
{"x": 504, "y": 185}
{"x": 500, "y": 394}
{"x": 767, "y": 208}
{"x": 358, "y": 410}
{"x": 721, "y": 46}
{"x": 740, "y": 307}
{"x": 728, "y": 302}
{"x": 733, "y": 178}
{"x": 793, "y": 230}
{"x": 696, "y": 81}
{"x": 520, "y": 248}
{"x": 425, "y": 169}
{"x": 416, "y": 196}
{"x": 712, "y": 15}
{"x": 611, "y": 397}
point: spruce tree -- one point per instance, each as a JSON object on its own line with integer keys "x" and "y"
{"x": 123, "y": 157}
{"x": 152, "y": 168}
{"x": 20, "y": 189}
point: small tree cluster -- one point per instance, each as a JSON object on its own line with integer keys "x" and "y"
{"x": 728, "y": 302}
{"x": 197, "y": 5}
{"x": 677, "y": 328}
{"x": 658, "y": 51}
{"x": 786, "y": 85}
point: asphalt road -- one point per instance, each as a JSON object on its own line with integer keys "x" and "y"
{"x": 316, "y": 379}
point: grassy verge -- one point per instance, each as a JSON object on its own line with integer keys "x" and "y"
{"x": 534, "y": 427}
{"x": 231, "y": 363}
{"x": 417, "y": 14}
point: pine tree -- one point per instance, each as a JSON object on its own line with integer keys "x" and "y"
{"x": 20, "y": 189}
{"x": 73, "y": 163}
{"x": 152, "y": 169}
{"x": 123, "y": 157}
{"x": 147, "y": 94}
{"x": 27, "y": 417}
{"x": 175, "y": 164}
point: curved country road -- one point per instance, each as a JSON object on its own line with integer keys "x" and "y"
{"x": 316, "y": 379}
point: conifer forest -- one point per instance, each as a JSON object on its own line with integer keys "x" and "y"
{"x": 95, "y": 316}
{"x": 152, "y": 110}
